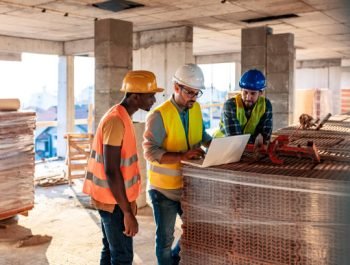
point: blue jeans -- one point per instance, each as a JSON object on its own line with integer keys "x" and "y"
{"x": 117, "y": 248}
{"x": 165, "y": 212}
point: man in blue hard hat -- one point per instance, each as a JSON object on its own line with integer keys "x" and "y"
{"x": 248, "y": 112}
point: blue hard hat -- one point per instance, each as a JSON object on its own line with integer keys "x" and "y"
{"x": 253, "y": 79}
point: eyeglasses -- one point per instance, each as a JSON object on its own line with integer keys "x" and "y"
{"x": 189, "y": 93}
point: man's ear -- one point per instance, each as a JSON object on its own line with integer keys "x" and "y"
{"x": 176, "y": 87}
{"x": 135, "y": 96}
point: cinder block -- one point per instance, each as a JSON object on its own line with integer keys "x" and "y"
{"x": 118, "y": 31}
{"x": 255, "y": 36}
{"x": 280, "y": 44}
{"x": 279, "y": 101}
{"x": 253, "y": 56}
{"x": 245, "y": 68}
{"x": 279, "y": 63}
{"x": 278, "y": 83}
{"x": 113, "y": 54}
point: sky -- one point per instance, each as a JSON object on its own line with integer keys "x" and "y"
{"x": 37, "y": 72}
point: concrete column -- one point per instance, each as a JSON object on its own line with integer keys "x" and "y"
{"x": 162, "y": 52}
{"x": 113, "y": 59}
{"x": 274, "y": 55}
{"x": 254, "y": 48}
{"x": 280, "y": 77}
{"x": 65, "y": 105}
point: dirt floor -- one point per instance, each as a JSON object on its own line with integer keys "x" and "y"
{"x": 59, "y": 212}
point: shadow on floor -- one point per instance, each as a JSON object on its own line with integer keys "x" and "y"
{"x": 12, "y": 235}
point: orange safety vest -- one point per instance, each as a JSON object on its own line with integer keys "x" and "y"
{"x": 95, "y": 183}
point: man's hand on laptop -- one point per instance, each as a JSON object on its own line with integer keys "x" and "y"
{"x": 193, "y": 154}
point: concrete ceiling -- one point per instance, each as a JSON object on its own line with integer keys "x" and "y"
{"x": 322, "y": 28}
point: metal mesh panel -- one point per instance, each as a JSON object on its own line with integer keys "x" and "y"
{"x": 251, "y": 213}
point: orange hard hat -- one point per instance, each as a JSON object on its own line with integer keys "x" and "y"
{"x": 140, "y": 82}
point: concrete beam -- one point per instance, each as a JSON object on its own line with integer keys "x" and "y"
{"x": 218, "y": 58}
{"x": 79, "y": 47}
{"x": 145, "y": 39}
{"x": 319, "y": 63}
{"x": 19, "y": 45}
{"x": 9, "y": 56}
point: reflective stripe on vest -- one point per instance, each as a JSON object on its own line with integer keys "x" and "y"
{"x": 96, "y": 184}
{"x": 169, "y": 176}
{"x": 123, "y": 162}
{"x": 104, "y": 183}
{"x": 165, "y": 171}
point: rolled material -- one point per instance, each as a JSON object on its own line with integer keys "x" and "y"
{"x": 9, "y": 104}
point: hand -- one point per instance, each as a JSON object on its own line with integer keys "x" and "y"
{"x": 193, "y": 154}
{"x": 130, "y": 224}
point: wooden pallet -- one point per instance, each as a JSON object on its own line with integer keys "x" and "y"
{"x": 78, "y": 152}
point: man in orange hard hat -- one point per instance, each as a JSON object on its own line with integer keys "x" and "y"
{"x": 112, "y": 178}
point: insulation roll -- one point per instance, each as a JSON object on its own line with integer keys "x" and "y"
{"x": 9, "y": 104}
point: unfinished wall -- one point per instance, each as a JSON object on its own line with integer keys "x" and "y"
{"x": 321, "y": 75}
{"x": 162, "y": 52}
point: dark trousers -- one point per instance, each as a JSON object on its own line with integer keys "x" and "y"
{"x": 165, "y": 212}
{"x": 117, "y": 248}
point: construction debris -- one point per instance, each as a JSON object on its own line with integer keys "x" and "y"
{"x": 306, "y": 121}
{"x": 33, "y": 240}
{"x": 51, "y": 181}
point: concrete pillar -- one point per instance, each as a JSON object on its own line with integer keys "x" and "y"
{"x": 280, "y": 77}
{"x": 113, "y": 59}
{"x": 254, "y": 48}
{"x": 274, "y": 55}
{"x": 162, "y": 52}
{"x": 65, "y": 105}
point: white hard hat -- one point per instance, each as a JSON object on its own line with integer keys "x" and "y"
{"x": 190, "y": 75}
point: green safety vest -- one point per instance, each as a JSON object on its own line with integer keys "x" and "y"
{"x": 248, "y": 126}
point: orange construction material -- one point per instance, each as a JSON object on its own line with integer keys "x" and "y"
{"x": 9, "y": 104}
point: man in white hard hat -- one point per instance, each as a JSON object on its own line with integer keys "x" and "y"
{"x": 112, "y": 178}
{"x": 174, "y": 132}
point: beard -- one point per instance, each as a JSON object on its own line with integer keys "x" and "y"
{"x": 190, "y": 103}
{"x": 248, "y": 104}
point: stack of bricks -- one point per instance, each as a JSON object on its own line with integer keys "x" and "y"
{"x": 256, "y": 212}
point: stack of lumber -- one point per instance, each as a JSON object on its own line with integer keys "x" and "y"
{"x": 16, "y": 162}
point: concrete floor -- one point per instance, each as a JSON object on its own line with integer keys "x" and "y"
{"x": 75, "y": 231}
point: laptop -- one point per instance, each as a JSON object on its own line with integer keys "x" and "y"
{"x": 221, "y": 151}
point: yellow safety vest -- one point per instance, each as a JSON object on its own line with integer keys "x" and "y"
{"x": 169, "y": 176}
{"x": 248, "y": 126}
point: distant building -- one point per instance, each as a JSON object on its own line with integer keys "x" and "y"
{"x": 46, "y": 137}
